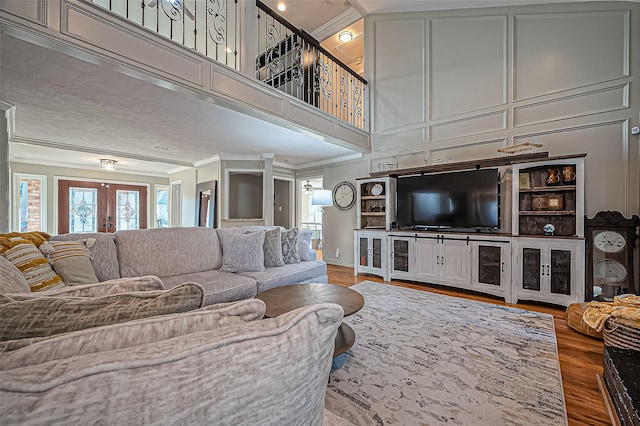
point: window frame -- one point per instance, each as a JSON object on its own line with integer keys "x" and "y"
{"x": 15, "y": 209}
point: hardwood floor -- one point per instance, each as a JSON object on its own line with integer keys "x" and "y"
{"x": 580, "y": 356}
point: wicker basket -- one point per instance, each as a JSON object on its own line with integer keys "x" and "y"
{"x": 620, "y": 335}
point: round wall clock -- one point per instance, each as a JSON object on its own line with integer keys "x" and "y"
{"x": 377, "y": 189}
{"x": 344, "y": 195}
{"x": 610, "y": 240}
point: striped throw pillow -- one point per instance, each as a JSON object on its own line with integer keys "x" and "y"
{"x": 34, "y": 266}
{"x": 71, "y": 260}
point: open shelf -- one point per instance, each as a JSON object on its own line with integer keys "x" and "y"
{"x": 548, "y": 213}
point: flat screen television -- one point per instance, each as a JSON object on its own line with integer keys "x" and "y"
{"x": 468, "y": 199}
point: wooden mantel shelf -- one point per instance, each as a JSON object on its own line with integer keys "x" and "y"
{"x": 465, "y": 165}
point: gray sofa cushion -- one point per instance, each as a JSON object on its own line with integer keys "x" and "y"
{"x": 166, "y": 252}
{"x": 241, "y": 252}
{"x": 290, "y": 246}
{"x": 104, "y": 255}
{"x": 218, "y": 286}
{"x": 24, "y": 316}
{"x": 271, "y": 371}
{"x": 273, "y": 248}
{"x": 133, "y": 333}
{"x": 289, "y": 274}
{"x": 304, "y": 245}
{"x": 11, "y": 279}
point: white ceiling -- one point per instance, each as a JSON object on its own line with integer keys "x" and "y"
{"x": 72, "y": 105}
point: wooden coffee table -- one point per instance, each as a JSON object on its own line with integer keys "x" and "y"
{"x": 284, "y": 299}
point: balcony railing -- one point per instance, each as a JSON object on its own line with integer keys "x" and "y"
{"x": 210, "y": 27}
{"x": 288, "y": 59}
{"x": 294, "y": 62}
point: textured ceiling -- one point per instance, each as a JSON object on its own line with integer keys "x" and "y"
{"x": 69, "y": 103}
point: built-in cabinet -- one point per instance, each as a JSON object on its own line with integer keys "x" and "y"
{"x": 376, "y": 203}
{"x": 371, "y": 253}
{"x": 533, "y": 262}
{"x": 549, "y": 271}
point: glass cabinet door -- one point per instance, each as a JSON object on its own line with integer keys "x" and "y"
{"x": 377, "y": 253}
{"x": 489, "y": 262}
{"x": 401, "y": 255}
{"x": 364, "y": 251}
{"x": 531, "y": 264}
{"x": 561, "y": 271}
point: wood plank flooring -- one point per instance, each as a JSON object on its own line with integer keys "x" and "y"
{"x": 580, "y": 356}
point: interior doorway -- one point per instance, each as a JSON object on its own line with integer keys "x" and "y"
{"x": 282, "y": 203}
{"x": 100, "y": 207}
{"x": 310, "y": 216}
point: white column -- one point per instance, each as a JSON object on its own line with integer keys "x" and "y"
{"x": 269, "y": 191}
{"x": 247, "y": 48}
{"x": 5, "y": 168}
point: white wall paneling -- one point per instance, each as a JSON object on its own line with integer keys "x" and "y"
{"x": 581, "y": 104}
{"x": 312, "y": 118}
{"x": 473, "y": 125}
{"x": 406, "y": 157}
{"x": 555, "y": 52}
{"x": 467, "y": 151}
{"x": 267, "y": 100}
{"x": 144, "y": 50}
{"x": 467, "y": 64}
{"x": 33, "y": 11}
{"x": 399, "y": 65}
{"x": 404, "y": 138}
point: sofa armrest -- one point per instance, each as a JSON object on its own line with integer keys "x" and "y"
{"x": 105, "y": 288}
{"x": 24, "y": 316}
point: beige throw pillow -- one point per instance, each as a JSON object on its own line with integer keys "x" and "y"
{"x": 71, "y": 260}
{"x": 34, "y": 266}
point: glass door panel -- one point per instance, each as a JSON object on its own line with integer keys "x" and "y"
{"x": 128, "y": 209}
{"x": 531, "y": 263}
{"x": 83, "y": 210}
{"x": 364, "y": 251}
{"x": 561, "y": 271}
{"x": 401, "y": 255}
{"x": 489, "y": 264}
{"x": 377, "y": 253}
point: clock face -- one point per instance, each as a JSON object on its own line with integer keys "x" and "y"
{"x": 344, "y": 195}
{"x": 610, "y": 271}
{"x": 377, "y": 189}
{"x": 609, "y": 242}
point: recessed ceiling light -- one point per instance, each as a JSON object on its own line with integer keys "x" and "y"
{"x": 345, "y": 36}
{"x": 282, "y": 7}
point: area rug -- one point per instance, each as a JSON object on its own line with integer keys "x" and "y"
{"x": 427, "y": 359}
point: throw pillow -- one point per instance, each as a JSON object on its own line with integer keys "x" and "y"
{"x": 11, "y": 279}
{"x": 273, "y": 248}
{"x": 71, "y": 260}
{"x": 304, "y": 244}
{"x": 290, "y": 246}
{"x": 34, "y": 267}
{"x": 27, "y": 316}
{"x": 36, "y": 237}
{"x": 241, "y": 252}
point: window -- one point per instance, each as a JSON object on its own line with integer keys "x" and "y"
{"x": 31, "y": 202}
{"x": 162, "y": 206}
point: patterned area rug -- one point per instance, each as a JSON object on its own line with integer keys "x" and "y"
{"x": 427, "y": 359}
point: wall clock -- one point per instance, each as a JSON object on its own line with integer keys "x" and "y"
{"x": 610, "y": 241}
{"x": 344, "y": 195}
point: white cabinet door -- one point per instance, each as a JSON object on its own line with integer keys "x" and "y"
{"x": 402, "y": 258}
{"x": 549, "y": 270}
{"x": 427, "y": 259}
{"x": 454, "y": 262}
{"x": 491, "y": 267}
{"x": 370, "y": 254}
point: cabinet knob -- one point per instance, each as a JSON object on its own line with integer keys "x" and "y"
{"x": 548, "y": 270}
{"x": 502, "y": 266}
{"x": 437, "y": 260}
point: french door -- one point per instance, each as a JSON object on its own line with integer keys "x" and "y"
{"x": 100, "y": 207}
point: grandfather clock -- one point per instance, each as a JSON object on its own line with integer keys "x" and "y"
{"x": 610, "y": 241}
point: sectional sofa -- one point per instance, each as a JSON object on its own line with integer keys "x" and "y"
{"x": 179, "y": 255}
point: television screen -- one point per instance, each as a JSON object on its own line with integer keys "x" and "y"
{"x": 460, "y": 200}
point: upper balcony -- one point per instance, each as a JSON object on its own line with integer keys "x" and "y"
{"x": 237, "y": 53}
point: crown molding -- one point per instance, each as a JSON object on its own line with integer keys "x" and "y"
{"x": 206, "y": 161}
{"x": 178, "y": 170}
{"x": 98, "y": 151}
{"x": 10, "y": 116}
{"x": 338, "y": 23}
{"x": 84, "y": 167}
{"x": 356, "y": 156}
